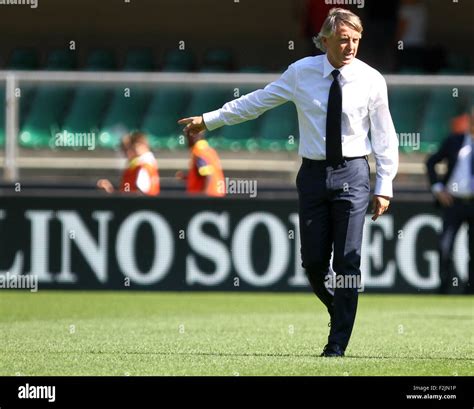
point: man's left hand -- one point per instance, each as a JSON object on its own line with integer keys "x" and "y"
{"x": 380, "y": 205}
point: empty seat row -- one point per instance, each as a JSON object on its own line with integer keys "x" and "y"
{"x": 135, "y": 59}
{"x": 110, "y": 114}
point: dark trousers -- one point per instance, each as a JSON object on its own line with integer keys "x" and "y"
{"x": 453, "y": 217}
{"x": 332, "y": 208}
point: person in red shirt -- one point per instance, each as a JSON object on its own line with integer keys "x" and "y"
{"x": 141, "y": 174}
{"x": 205, "y": 173}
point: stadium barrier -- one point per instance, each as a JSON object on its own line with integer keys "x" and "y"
{"x": 181, "y": 244}
{"x": 429, "y": 96}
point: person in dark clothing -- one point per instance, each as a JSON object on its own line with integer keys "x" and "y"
{"x": 454, "y": 193}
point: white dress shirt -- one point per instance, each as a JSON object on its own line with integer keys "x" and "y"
{"x": 460, "y": 183}
{"x": 306, "y": 83}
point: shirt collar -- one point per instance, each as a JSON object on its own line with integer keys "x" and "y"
{"x": 346, "y": 70}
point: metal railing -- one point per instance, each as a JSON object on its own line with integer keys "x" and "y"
{"x": 13, "y": 79}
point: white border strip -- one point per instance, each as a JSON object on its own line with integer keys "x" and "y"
{"x": 145, "y": 78}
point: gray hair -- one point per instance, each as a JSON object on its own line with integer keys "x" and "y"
{"x": 336, "y": 17}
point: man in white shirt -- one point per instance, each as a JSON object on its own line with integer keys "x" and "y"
{"x": 455, "y": 193}
{"x": 338, "y": 99}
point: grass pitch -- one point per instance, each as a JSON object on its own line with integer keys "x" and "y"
{"x": 138, "y": 333}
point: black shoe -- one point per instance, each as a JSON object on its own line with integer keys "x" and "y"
{"x": 331, "y": 350}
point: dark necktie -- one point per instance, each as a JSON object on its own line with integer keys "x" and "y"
{"x": 333, "y": 122}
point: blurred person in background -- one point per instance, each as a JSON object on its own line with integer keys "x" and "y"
{"x": 141, "y": 174}
{"x": 313, "y": 14}
{"x": 205, "y": 173}
{"x": 411, "y": 30}
{"x": 380, "y": 32}
{"x": 454, "y": 192}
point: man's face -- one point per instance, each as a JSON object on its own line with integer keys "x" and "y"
{"x": 342, "y": 46}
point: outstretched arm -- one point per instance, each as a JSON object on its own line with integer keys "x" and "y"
{"x": 246, "y": 107}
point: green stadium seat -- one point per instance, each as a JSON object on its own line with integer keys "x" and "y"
{"x": 241, "y": 136}
{"x": 205, "y": 100}
{"x": 441, "y": 107}
{"x": 86, "y": 109}
{"x": 244, "y": 135}
{"x": 45, "y": 117}
{"x": 160, "y": 122}
{"x": 61, "y": 59}
{"x": 48, "y": 105}
{"x": 23, "y": 59}
{"x": 411, "y": 71}
{"x": 410, "y": 61}
{"x": 179, "y": 61}
{"x": 407, "y": 106}
{"x": 101, "y": 60}
{"x": 139, "y": 59}
{"x": 238, "y": 137}
{"x": 27, "y": 92}
{"x": 89, "y": 101}
{"x": 278, "y": 126}
{"x": 124, "y": 115}
{"x": 458, "y": 63}
{"x": 219, "y": 58}
{"x": 470, "y": 102}
{"x": 258, "y": 69}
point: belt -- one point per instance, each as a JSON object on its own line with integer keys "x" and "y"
{"x": 324, "y": 161}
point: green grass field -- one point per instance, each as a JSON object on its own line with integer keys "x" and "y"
{"x": 135, "y": 333}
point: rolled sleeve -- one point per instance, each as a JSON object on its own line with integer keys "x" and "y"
{"x": 383, "y": 139}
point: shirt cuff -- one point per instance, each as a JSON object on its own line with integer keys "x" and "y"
{"x": 437, "y": 187}
{"x": 383, "y": 188}
{"x": 213, "y": 120}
